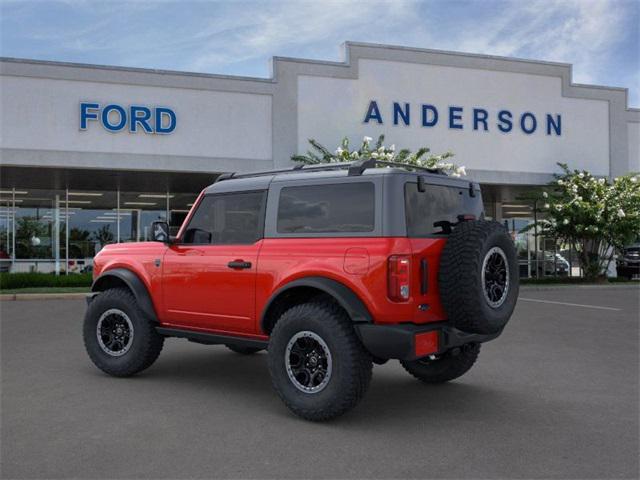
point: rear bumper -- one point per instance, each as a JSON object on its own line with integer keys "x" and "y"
{"x": 406, "y": 341}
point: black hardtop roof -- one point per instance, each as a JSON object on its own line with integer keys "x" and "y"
{"x": 228, "y": 182}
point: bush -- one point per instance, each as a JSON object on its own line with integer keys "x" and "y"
{"x": 27, "y": 280}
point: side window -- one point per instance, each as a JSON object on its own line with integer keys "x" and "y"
{"x": 337, "y": 208}
{"x": 227, "y": 219}
{"x": 425, "y": 209}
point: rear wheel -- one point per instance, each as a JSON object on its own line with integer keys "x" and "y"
{"x": 318, "y": 366}
{"x": 118, "y": 337}
{"x": 449, "y": 366}
{"x": 243, "y": 350}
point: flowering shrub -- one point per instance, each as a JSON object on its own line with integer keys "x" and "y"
{"x": 592, "y": 214}
{"x": 379, "y": 151}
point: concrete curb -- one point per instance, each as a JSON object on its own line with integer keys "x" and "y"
{"x": 594, "y": 286}
{"x": 81, "y": 295}
{"x": 41, "y": 296}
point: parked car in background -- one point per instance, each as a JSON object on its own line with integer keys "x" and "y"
{"x": 553, "y": 264}
{"x": 5, "y": 261}
{"x": 628, "y": 264}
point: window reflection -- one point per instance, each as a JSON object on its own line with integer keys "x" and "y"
{"x": 92, "y": 225}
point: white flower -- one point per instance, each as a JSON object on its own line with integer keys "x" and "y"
{"x": 339, "y": 151}
{"x": 565, "y": 222}
{"x": 574, "y": 188}
{"x": 392, "y": 148}
{"x": 389, "y": 156}
{"x": 355, "y": 155}
{"x": 634, "y": 179}
{"x": 601, "y": 181}
{"x": 374, "y": 155}
{"x": 579, "y": 198}
{"x": 461, "y": 170}
{"x": 558, "y": 207}
{"x": 581, "y": 175}
{"x": 545, "y": 194}
{"x": 621, "y": 213}
{"x": 546, "y": 205}
{"x": 381, "y": 149}
{"x": 560, "y": 182}
{"x": 367, "y": 139}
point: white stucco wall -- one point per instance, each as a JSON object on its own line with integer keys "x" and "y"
{"x": 329, "y": 107}
{"x": 43, "y": 114}
{"x": 633, "y": 137}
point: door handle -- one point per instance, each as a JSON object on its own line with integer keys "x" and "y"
{"x": 239, "y": 264}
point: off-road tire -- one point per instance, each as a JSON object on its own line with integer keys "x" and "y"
{"x": 445, "y": 368}
{"x": 460, "y": 277}
{"x": 243, "y": 350}
{"x": 352, "y": 364}
{"x": 145, "y": 346}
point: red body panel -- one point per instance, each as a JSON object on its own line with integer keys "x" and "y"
{"x": 194, "y": 288}
{"x": 200, "y": 290}
{"x": 140, "y": 258}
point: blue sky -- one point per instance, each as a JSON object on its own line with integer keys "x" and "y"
{"x": 600, "y": 38}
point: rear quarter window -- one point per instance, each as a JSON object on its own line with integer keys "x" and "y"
{"x": 332, "y": 208}
{"x": 424, "y": 209}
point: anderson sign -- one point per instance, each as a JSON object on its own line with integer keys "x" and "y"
{"x": 461, "y": 118}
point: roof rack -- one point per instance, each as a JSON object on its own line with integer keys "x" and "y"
{"x": 358, "y": 168}
{"x": 354, "y": 168}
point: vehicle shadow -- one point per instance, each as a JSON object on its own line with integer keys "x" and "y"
{"x": 395, "y": 399}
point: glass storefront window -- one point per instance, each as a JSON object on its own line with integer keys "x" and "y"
{"x": 62, "y": 230}
{"x": 179, "y": 206}
{"x": 138, "y": 211}
{"x": 92, "y": 225}
{"x": 38, "y": 228}
{"x": 6, "y": 230}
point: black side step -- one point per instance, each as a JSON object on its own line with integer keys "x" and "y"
{"x": 211, "y": 338}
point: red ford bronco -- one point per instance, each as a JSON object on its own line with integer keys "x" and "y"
{"x": 330, "y": 268}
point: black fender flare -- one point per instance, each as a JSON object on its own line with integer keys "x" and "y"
{"x": 134, "y": 283}
{"x": 345, "y": 297}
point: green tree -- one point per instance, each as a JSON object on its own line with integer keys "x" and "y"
{"x": 28, "y": 229}
{"x": 421, "y": 158}
{"x": 596, "y": 216}
{"x": 103, "y": 235}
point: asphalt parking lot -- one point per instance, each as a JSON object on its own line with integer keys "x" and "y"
{"x": 556, "y": 396}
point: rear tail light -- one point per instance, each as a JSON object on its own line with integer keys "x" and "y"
{"x": 398, "y": 281}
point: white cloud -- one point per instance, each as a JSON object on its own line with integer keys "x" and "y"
{"x": 277, "y": 26}
{"x": 581, "y": 32}
{"x": 217, "y": 37}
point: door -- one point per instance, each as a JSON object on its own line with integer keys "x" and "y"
{"x": 209, "y": 274}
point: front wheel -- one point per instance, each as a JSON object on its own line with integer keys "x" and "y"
{"x": 451, "y": 365}
{"x": 318, "y": 366}
{"x": 118, "y": 337}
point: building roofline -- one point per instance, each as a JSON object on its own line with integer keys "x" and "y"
{"x": 55, "y": 63}
{"x": 346, "y": 63}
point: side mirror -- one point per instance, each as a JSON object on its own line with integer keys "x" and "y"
{"x": 160, "y": 232}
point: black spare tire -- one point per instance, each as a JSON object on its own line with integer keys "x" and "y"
{"x": 478, "y": 277}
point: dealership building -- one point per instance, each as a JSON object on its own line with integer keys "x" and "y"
{"x": 93, "y": 154}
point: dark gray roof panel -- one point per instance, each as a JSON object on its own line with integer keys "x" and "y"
{"x": 260, "y": 182}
